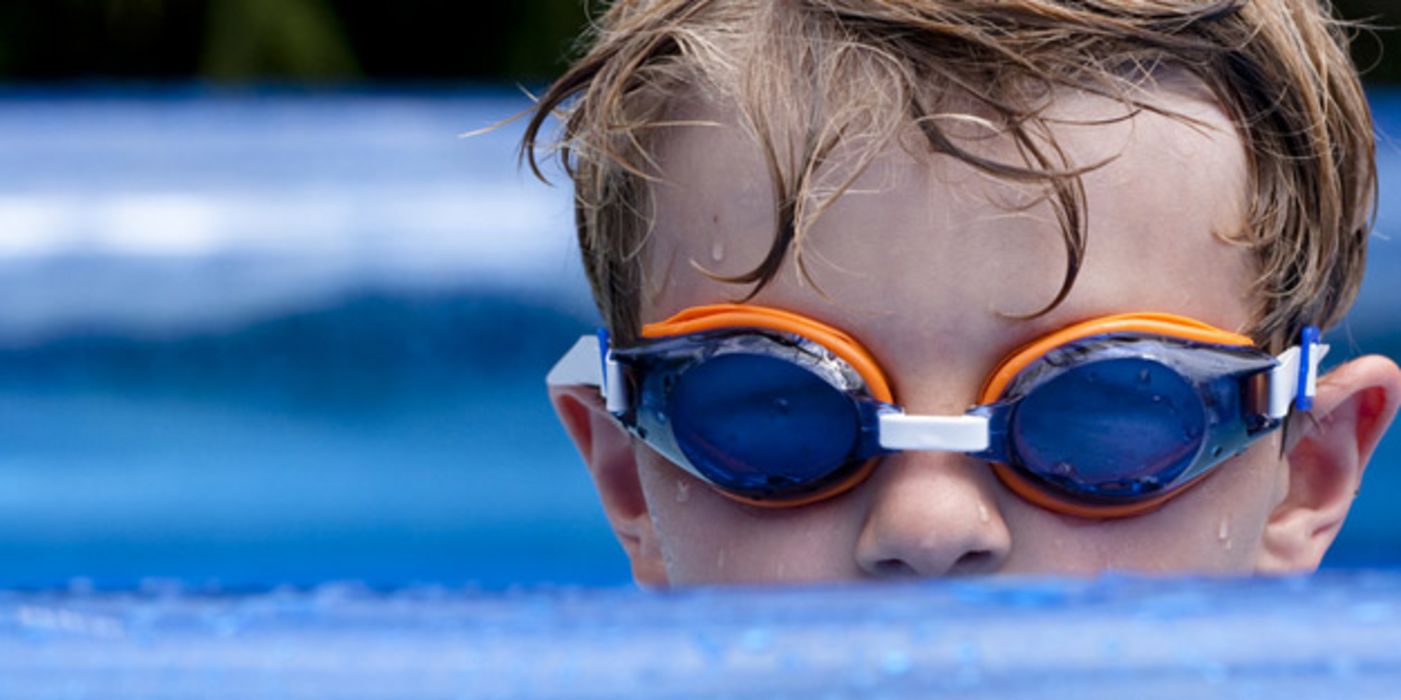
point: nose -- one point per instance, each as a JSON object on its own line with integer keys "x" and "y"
{"x": 932, "y": 515}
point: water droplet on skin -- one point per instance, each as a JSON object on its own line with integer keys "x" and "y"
{"x": 983, "y": 515}
{"x": 720, "y": 560}
{"x": 1223, "y": 532}
{"x": 717, "y": 251}
{"x": 683, "y": 492}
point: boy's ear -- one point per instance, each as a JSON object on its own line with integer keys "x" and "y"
{"x": 607, "y": 449}
{"x": 1326, "y": 451}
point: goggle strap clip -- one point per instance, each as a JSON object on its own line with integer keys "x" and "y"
{"x": 590, "y": 363}
{"x": 1294, "y": 381}
{"x": 966, "y": 433}
{"x": 615, "y": 398}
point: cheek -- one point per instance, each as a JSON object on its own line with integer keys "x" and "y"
{"x": 677, "y": 503}
{"x": 1215, "y": 527}
{"x": 707, "y": 538}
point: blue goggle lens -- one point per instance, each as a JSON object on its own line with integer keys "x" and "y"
{"x": 761, "y": 426}
{"x": 1116, "y": 430}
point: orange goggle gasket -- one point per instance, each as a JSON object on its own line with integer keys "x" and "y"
{"x": 735, "y": 316}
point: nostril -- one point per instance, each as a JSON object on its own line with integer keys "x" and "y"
{"x": 974, "y": 562}
{"x": 893, "y": 568}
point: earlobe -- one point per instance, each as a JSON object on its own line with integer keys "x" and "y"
{"x": 1326, "y": 457}
{"x": 608, "y": 452}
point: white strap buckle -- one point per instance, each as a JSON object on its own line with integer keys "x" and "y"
{"x": 582, "y": 365}
{"x": 1295, "y": 379}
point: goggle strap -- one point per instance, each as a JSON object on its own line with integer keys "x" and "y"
{"x": 578, "y": 366}
{"x": 1294, "y": 381}
{"x": 900, "y": 431}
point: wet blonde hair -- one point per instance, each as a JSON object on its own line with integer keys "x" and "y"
{"x": 812, "y": 78}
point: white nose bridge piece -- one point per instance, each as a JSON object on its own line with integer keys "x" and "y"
{"x": 900, "y": 431}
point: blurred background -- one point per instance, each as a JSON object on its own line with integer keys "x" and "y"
{"x": 266, "y": 318}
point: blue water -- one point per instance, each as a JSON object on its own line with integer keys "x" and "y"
{"x": 1333, "y": 636}
{"x": 270, "y": 338}
{"x": 390, "y": 440}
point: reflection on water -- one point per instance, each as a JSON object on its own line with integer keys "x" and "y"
{"x": 270, "y": 338}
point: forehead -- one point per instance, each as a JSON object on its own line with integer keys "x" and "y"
{"x": 925, "y": 251}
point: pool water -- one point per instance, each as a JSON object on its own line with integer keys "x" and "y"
{"x": 1336, "y": 635}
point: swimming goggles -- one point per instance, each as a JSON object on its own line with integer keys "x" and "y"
{"x": 1109, "y": 417}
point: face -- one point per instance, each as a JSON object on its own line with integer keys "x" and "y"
{"x": 930, "y": 264}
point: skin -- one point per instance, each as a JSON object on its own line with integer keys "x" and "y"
{"x": 928, "y": 263}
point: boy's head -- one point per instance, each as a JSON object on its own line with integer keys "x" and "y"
{"x": 947, "y": 181}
